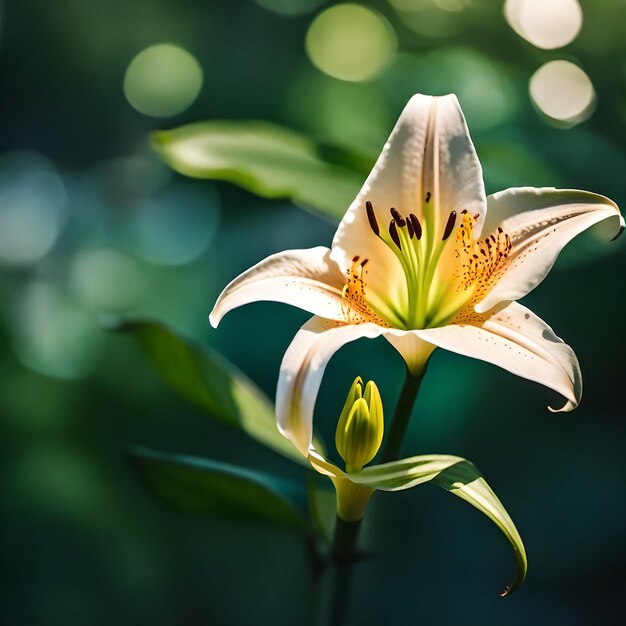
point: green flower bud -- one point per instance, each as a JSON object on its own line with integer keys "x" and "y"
{"x": 361, "y": 425}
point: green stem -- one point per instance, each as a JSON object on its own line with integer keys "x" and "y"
{"x": 401, "y": 416}
{"x": 317, "y": 568}
{"x": 344, "y": 550}
{"x": 344, "y": 554}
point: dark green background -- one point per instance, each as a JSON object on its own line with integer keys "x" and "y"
{"x": 83, "y": 543}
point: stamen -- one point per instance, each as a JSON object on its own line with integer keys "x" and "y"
{"x": 393, "y": 232}
{"x": 371, "y": 216}
{"x": 449, "y": 226}
{"x": 355, "y": 259}
{"x": 364, "y": 262}
{"x": 409, "y": 227}
{"x": 428, "y": 196}
{"x": 396, "y": 216}
{"x": 417, "y": 227}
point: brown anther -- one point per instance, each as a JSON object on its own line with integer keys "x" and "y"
{"x": 371, "y": 217}
{"x": 417, "y": 227}
{"x": 428, "y": 196}
{"x": 364, "y": 262}
{"x": 476, "y": 216}
{"x": 400, "y": 221}
{"x": 393, "y": 232}
{"x": 355, "y": 259}
{"x": 449, "y": 226}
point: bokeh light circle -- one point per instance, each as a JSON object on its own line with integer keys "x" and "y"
{"x": 546, "y": 24}
{"x": 162, "y": 80}
{"x": 105, "y": 279}
{"x": 32, "y": 208}
{"x": 562, "y": 91}
{"x": 53, "y": 335}
{"x": 350, "y": 42}
{"x": 176, "y": 226}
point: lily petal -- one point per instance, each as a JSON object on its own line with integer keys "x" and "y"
{"x": 301, "y": 373}
{"x": 551, "y": 218}
{"x": 515, "y": 339}
{"x": 414, "y": 350}
{"x": 323, "y": 466}
{"x": 307, "y": 279}
{"x": 429, "y": 154}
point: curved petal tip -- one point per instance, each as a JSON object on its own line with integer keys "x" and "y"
{"x": 566, "y": 408}
{"x": 214, "y": 320}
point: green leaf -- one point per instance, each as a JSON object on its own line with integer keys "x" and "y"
{"x": 458, "y": 476}
{"x": 322, "y": 504}
{"x": 268, "y": 160}
{"x": 211, "y": 488}
{"x": 208, "y": 380}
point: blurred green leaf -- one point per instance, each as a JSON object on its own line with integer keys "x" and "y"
{"x": 211, "y": 488}
{"x": 207, "y": 379}
{"x": 458, "y": 476}
{"x": 268, "y": 160}
{"x": 322, "y": 502}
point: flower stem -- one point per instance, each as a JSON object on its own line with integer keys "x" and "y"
{"x": 344, "y": 554}
{"x": 401, "y": 416}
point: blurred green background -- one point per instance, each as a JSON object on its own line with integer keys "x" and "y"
{"x": 93, "y": 226}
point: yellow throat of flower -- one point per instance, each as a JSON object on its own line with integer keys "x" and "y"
{"x": 446, "y": 272}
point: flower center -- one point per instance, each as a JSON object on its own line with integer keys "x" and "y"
{"x": 446, "y": 273}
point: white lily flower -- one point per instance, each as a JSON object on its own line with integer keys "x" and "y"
{"x": 409, "y": 262}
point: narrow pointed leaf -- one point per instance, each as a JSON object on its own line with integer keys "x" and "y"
{"x": 464, "y": 481}
{"x": 208, "y": 380}
{"x": 459, "y": 477}
{"x": 210, "y": 488}
{"x": 268, "y": 160}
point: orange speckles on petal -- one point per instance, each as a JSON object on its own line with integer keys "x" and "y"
{"x": 355, "y": 308}
{"x": 480, "y": 262}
